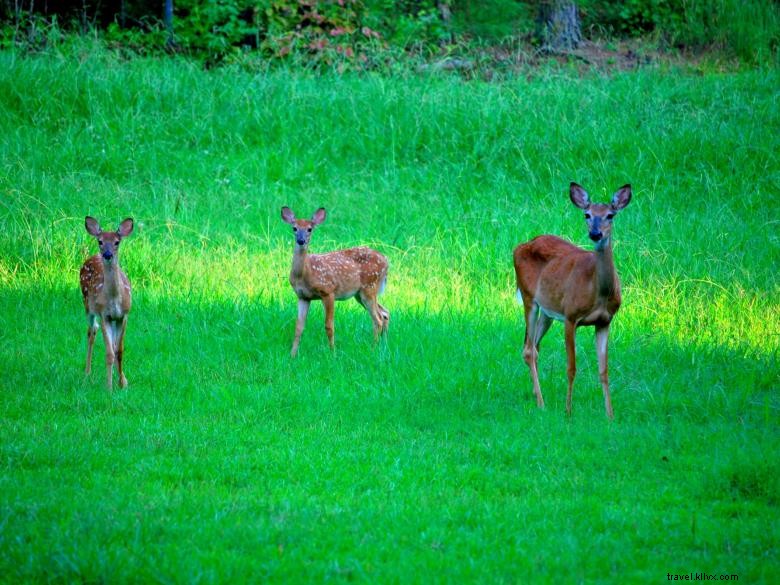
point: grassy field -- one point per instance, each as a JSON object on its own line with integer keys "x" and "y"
{"x": 424, "y": 458}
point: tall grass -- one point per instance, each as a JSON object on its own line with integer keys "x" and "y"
{"x": 749, "y": 29}
{"x": 423, "y": 458}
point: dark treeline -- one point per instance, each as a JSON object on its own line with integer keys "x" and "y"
{"x": 81, "y": 13}
{"x": 324, "y": 28}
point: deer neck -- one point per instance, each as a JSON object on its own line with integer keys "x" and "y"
{"x": 606, "y": 276}
{"x": 298, "y": 263}
{"x": 112, "y": 286}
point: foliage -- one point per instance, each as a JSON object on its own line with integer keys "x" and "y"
{"x": 364, "y": 32}
{"x": 325, "y": 31}
{"x": 750, "y": 29}
{"x": 411, "y": 23}
{"x": 626, "y": 17}
{"x": 493, "y": 20}
{"x": 423, "y": 459}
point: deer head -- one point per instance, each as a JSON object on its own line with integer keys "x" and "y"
{"x": 109, "y": 241}
{"x": 599, "y": 216}
{"x": 303, "y": 228}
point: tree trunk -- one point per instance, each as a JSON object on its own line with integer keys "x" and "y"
{"x": 168, "y": 20}
{"x": 558, "y": 26}
{"x": 445, "y": 13}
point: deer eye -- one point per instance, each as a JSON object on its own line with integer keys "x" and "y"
{"x": 610, "y": 215}
{"x": 117, "y": 244}
{"x": 587, "y": 216}
{"x": 100, "y": 242}
{"x": 309, "y": 229}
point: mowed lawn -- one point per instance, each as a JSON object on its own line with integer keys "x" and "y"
{"x": 423, "y": 458}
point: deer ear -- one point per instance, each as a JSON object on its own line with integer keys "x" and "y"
{"x": 621, "y": 198}
{"x": 319, "y": 216}
{"x": 126, "y": 227}
{"x": 92, "y": 225}
{"x": 288, "y": 215}
{"x": 579, "y": 196}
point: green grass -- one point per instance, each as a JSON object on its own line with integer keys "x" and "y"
{"x": 425, "y": 458}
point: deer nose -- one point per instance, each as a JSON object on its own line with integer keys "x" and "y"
{"x": 107, "y": 255}
{"x": 300, "y": 241}
{"x": 595, "y": 236}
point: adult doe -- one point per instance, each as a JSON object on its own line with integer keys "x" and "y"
{"x": 558, "y": 280}
{"x": 357, "y": 272}
{"x": 106, "y": 293}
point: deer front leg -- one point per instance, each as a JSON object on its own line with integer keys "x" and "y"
{"x": 530, "y": 353}
{"x": 602, "y": 335}
{"x": 105, "y": 327}
{"x": 571, "y": 370}
{"x": 91, "y": 332}
{"x": 303, "y": 312}
{"x": 329, "y": 303}
{"x": 120, "y": 349}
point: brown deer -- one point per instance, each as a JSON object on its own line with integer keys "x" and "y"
{"x": 106, "y": 293}
{"x": 357, "y": 272}
{"x": 558, "y": 280}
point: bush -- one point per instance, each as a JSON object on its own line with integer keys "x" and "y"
{"x": 748, "y": 29}
{"x": 324, "y": 32}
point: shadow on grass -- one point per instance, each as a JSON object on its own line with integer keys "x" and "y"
{"x": 188, "y": 347}
{"x": 219, "y": 426}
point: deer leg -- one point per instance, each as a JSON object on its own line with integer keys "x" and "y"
{"x": 385, "y": 315}
{"x": 543, "y": 323}
{"x": 105, "y": 327}
{"x": 120, "y": 349}
{"x": 370, "y": 304}
{"x": 602, "y": 334}
{"x": 92, "y": 327}
{"x": 329, "y": 303}
{"x": 303, "y": 312}
{"x": 571, "y": 370}
{"x": 530, "y": 352}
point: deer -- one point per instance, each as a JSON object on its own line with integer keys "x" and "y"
{"x": 557, "y": 280}
{"x": 359, "y": 273}
{"x": 107, "y": 296}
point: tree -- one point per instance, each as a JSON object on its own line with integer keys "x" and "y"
{"x": 558, "y": 26}
{"x": 168, "y": 20}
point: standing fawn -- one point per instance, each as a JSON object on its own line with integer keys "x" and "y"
{"x": 558, "y": 280}
{"x": 357, "y": 272}
{"x": 106, "y": 293}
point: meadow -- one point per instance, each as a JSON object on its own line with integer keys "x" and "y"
{"x": 424, "y": 458}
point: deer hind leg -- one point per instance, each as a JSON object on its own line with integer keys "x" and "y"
{"x": 530, "y": 353}
{"x": 385, "y": 315}
{"x": 571, "y": 370}
{"x": 329, "y": 303}
{"x": 300, "y": 324}
{"x": 602, "y": 334}
{"x": 543, "y": 323}
{"x": 383, "y": 312}
{"x": 108, "y": 339}
{"x": 367, "y": 298}
{"x": 119, "y": 333}
{"x": 92, "y": 327}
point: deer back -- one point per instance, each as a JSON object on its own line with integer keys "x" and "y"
{"x": 343, "y": 273}
{"x": 565, "y": 279}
